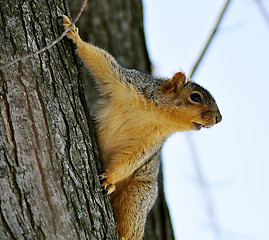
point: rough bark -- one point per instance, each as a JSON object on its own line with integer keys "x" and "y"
{"x": 49, "y": 187}
{"x": 117, "y": 26}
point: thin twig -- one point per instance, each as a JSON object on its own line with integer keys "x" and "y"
{"x": 263, "y": 11}
{"x": 208, "y": 199}
{"x": 32, "y": 54}
{"x": 196, "y": 162}
{"x": 209, "y": 39}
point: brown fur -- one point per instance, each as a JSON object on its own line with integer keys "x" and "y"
{"x": 132, "y": 126}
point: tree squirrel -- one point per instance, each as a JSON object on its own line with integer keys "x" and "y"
{"x": 135, "y": 115}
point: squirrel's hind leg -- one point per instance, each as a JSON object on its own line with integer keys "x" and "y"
{"x": 131, "y": 201}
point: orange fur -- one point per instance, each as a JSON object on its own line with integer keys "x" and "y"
{"x": 131, "y": 129}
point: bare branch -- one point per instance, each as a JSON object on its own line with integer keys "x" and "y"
{"x": 208, "y": 199}
{"x": 263, "y": 11}
{"x": 32, "y": 54}
{"x": 210, "y": 38}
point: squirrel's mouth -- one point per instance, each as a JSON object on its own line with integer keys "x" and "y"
{"x": 198, "y": 126}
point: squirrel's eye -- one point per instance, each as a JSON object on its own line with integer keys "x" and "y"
{"x": 195, "y": 97}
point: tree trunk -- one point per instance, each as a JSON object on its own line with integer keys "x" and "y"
{"x": 49, "y": 187}
{"x": 49, "y": 166}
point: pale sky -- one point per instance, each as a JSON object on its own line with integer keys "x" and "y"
{"x": 233, "y": 154}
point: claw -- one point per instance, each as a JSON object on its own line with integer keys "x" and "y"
{"x": 104, "y": 191}
{"x": 102, "y": 176}
{"x": 73, "y": 33}
{"x": 108, "y": 187}
{"x": 66, "y": 19}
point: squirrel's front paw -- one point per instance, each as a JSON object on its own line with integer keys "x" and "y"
{"x": 73, "y": 33}
{"x": 107, "y": 186}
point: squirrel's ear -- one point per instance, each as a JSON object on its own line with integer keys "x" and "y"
{"x": 173, "y": 84}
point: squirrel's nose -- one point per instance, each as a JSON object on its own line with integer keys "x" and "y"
{"x": 218, "y": 118}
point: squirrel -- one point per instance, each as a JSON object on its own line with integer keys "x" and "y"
{"x": 135, "y": 115}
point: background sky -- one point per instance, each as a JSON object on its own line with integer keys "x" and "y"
{"x": 233, "y": 155}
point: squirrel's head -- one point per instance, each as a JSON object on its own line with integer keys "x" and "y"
{"x": 191, "y": 107}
